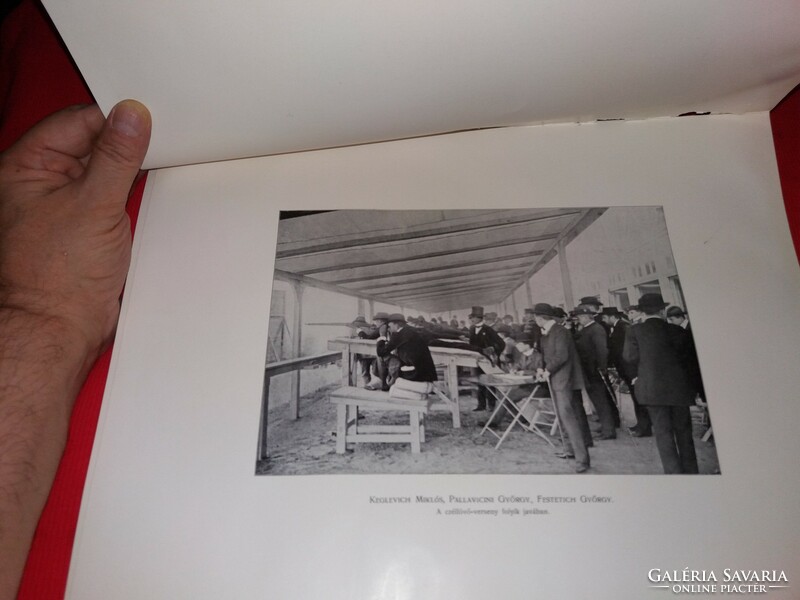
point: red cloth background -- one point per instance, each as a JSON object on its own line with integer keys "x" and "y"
{"x": 37, "y": 77}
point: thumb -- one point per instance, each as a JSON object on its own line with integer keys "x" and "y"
{"x": 118, "y": 153}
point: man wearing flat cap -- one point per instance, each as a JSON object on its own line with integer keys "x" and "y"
{"x": 409, "y": 347}
{"x": 657, "y": 351}
{"x": 562, "y": 370}
{"x": 491, "y": 345}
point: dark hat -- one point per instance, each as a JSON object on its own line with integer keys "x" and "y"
{"x": 591, "y": 300}
{"x": 633, "y": 307}
{"x": 491, "y": 315}
{"x": 360, "y": 321}
{"x": 396, "y": 317}
{"x": 675, "y": 311}
{"x": 508, "y": 317}
{"x": 544, "y": 310}
{"x": 477, "y": 312}
{"x": 583, "y": 310}
{"x": 560, "y": 312}
{"x": 651, "y": 302}
{"x": 528, "y": 311}
{"x": 611, "y": 311}
{"x": 381, "y": 315}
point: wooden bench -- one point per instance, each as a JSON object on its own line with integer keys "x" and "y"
{"x": 350, "y": 399}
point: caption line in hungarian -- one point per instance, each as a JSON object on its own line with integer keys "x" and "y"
{"x": 493, "y": 506}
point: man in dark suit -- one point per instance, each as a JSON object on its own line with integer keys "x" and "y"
{"x": 657, "y": 350}
{"x": 616, "y": 343}
{"x": 562, "y": 371}
{"x": 677, "y": 316}
{"x": 490, "y": 344}
{"x": 409, "y": 347}
{"x": 592, "y": 345}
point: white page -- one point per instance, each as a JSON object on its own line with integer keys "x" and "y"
{"x": 258, "y": 77}
{"x": 172, "y": 508}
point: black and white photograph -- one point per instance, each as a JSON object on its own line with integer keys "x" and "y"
{"x": 524, "y": 341}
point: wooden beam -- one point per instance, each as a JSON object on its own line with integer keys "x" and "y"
{"x": 585, "y": 218}
{"x": 506, "y": 272}
{"x": 565, "y": 278}
{"x": 433, "y": 293}
{"x": 472, "y": 263}
{"x": 499, "y": 243}
{"x": 309, "y": 281}
{"x": 447, "y": 228}
{"x": 414, "y": 286}
{"x": 303, "y": 362}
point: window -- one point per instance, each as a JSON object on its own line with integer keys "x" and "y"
{"x": 649, "y": 287}
{"x": 620, "y": 298}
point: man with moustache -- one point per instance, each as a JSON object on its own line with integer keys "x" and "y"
{"x": 562, "y": 371}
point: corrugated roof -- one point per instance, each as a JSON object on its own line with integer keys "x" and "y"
{"x": 428, "y": 260}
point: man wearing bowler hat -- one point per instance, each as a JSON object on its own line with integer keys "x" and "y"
{"x": 658, "y": 351}
{"x": 409, "y": 347}
{"x": 562, "y": 370}
{"x": 490, "y": 344}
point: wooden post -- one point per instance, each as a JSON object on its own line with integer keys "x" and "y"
{"x": 371, "y": 314}
{"x": 565, "y": 280}
{"x": 452, "y": 384}
{"x": 514, "y": 312}
{"x": 262, "y": 430}
{"x": 360, "y": 308}
{"x": 297, "y": 348}
{"x": 530, "y": 293}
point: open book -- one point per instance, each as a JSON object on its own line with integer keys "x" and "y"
{"x": 173, "y": 507}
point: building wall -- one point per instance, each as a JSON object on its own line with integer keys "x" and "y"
{"x": 622, "y": 255}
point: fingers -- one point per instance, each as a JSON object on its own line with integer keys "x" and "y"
{"x": 118, "y": 153}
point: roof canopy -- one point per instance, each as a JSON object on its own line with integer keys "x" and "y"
{"x": 429, "y": 260}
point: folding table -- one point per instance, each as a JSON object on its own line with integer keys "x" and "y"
{"x": 501, "y": 386}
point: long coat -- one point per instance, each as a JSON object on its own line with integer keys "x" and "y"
{"x": 616, "y": 344}
{"x": 561, "y": 359}
{"x": 486, "y": 338}
{"x": 412, "y": 350}
{"x": 658, "y": 353}
{"x": 592, "y": 345}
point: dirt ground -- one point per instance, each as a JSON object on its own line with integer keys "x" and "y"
{"x": 307, "y": 446}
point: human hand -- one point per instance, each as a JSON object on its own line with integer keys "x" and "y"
{"x": 65, "y": 244}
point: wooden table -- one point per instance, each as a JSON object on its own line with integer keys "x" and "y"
{"x": 448, "y": 358}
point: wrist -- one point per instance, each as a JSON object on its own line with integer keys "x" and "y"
{"x": 58, "y": 343}
{"x": 73, "y": 322}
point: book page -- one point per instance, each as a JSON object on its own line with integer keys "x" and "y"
{"x": 258, "y": 77}
{"x": 173, "y": 507}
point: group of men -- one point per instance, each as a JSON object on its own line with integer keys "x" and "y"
{"x": 652, "y": 352}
